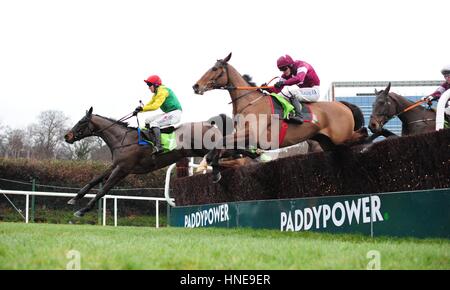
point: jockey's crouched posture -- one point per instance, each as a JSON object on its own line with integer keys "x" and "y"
{"x": 298, "y": 82}
{"x": 165, "y": 99}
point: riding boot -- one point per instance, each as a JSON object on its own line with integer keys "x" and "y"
{"x": 147, "y": 133}
{"x": 297, "y": 117}
{"x": 157, "y": 134}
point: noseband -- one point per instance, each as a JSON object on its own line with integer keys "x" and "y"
{"x": 227, "y": 86}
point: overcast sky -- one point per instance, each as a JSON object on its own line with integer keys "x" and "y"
{"x": 70, "y": 55}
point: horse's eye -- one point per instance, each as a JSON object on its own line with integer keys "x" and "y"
{"x": 214, "y": 68}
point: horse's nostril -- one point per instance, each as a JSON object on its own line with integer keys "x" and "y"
{"x": 195, "y": 87}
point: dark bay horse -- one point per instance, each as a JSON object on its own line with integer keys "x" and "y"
{"x": 128, "y": 157}
{"x": 388, "y": 105}
{"x": 336, "y": 122}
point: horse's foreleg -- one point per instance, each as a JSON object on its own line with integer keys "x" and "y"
{"x": 214, "y": 162}
{"x": 89, "y": 186}
{"x": 116, "y": 175}
{"x": 230, "y": 143}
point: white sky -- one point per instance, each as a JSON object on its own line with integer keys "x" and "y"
{"x": 70, "y": 55}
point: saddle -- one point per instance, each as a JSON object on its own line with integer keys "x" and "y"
{"x": 168, "y": 138}
{"x": 283, "y": 108}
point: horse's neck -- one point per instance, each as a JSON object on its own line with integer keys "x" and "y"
{"x": 113, "y": 134}
{"x": 402, "y": 104}
{"x": 240, "y": 101}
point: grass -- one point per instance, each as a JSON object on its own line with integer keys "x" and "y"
{"x": 45, "y": 246}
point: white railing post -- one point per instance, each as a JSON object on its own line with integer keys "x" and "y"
{"x": 440, "y": 110}
{"x": 27, "y": 205}
{"x": 157, "y": 214}
{"x": 115, "y": 212}
{"x": 104, "y": 211}
{"x": 167, "y": 185}
{"x": 60, "y": 194}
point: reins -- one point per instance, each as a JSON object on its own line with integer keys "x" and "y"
{"x": 410, "y": 107}
{"x": 124, "y": 118}
{"x": 244, "y": 88}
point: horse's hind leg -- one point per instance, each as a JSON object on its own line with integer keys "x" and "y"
{"x": 89, "y": 186}
{"x": 116, "y": 175}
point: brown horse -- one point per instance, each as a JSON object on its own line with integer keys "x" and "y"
{"x": 128, "y": 157}
{"x": 335, "y": 121}
{"x": 388, "y": 105}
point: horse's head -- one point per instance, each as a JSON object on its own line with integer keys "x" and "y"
{"x": 81, "y": 129}
{"x": 216, "y": 77}
{"x": 383, "y": 109}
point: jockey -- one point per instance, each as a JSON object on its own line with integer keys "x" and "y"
{"x": 445, "y": 71}
{"x": 299, "y": 82}
{"x": 163, "y": 98}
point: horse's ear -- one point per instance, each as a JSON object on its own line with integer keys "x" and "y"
{"x": 227, "y": 58}
{"x": 88, "y": 113}
{"x": 376, "y": 92}
{"x": 386, "y": 91}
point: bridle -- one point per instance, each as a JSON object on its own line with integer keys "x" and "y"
{"x": 79, "y": 133}
{"x": 388, "y": 118}
{"x": 229, "y": 87}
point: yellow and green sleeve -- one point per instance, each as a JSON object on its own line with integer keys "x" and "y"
{"x": 157, "y": 100}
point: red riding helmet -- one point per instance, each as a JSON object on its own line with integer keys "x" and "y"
{"x": 154, "y": 79}
{"x": 285, "y": 61}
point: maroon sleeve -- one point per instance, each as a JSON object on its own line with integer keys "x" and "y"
{"x": 440, "y": 90}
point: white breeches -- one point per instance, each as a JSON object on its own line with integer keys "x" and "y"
{"x": 303, "y": 94}
{"x": 164, "y": 120}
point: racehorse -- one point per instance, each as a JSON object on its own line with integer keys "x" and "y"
{"x": 388, "y": 105}
{"x": 337, "y": 123}
{"x": 128, "y": 157}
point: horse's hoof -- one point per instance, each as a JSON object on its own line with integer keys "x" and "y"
{"x": 79, "y": 214}
{"x": 72, "y": 201}
{"x": 217, "y": 177}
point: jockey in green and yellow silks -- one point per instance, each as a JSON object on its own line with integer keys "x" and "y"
{"x": 165, "y": 99}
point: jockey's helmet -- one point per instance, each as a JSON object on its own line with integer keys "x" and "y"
{"x": 445, "y": 70}
{"x": 284, "y": 61}
{"x": 153, "y": 80}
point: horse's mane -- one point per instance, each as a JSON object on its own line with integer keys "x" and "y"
{"x": 395, "y": 95}
{"x": 249, "y": 80}
{"x": 125, "y": 124}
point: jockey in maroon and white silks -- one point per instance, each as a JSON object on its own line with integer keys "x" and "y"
{"x": 441, "y": 89}
{"x": 299, "y": 79}
{"x": 298, "y": 83}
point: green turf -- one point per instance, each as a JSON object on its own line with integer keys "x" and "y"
{"x": 44, "y": 246}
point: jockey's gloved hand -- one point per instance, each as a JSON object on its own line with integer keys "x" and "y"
{"x": 137, "y": 110}
{"x": 279, "y": 84}
{"x": 429, "y": 99}
{"x": 263, "y": 85}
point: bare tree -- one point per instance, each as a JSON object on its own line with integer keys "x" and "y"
{"x": 48, "y": 133}
{"x": 83, "y": 148}
{"x": 2, "y": 140}
{"x": 15, "y": 143}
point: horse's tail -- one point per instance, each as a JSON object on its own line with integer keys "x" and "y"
{"x": 358, "y": 116}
